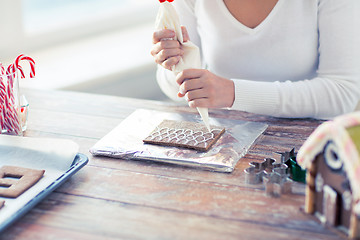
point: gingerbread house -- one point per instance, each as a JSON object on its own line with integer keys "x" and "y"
{"x": 331, "y": 157}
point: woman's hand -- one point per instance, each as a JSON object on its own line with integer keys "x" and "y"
{"x": 167, "y": 52}
{"x": 202, "y": 88}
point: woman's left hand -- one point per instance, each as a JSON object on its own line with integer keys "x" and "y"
{"x": 202, "y": 88}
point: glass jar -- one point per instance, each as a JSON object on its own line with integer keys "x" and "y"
{"x": 13, "y": 109}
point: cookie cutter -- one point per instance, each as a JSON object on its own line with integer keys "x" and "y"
{"x": 254, "y": 174}
{"x": 277, "y": 184}
{"x": 257, "y": 170}
{"x": 285, "y": 156}
{"x": 272, "y": 174}
{"x": 289, "y": 158}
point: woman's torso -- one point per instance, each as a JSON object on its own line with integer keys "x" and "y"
{"x": 281, "y": 45}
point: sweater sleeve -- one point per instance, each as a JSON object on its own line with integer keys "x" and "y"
{"x": 165, "y": 78}
{"x": 336, "y": 88}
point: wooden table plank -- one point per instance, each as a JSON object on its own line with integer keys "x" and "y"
{"x": 78, "y": 217}
{"x": 123, "y": 199}
{"x": 237, "y": 177}
{"x": 186, "y": 195}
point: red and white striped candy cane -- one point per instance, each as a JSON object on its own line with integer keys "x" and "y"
{"x": 31, "y": 61}
{"x": 2, "y": 97}
{"x": 2, "y": 69}
{"x": 12, "y": 119}
{"x": 11, "y": 71}
{"x": 9, "y": 117}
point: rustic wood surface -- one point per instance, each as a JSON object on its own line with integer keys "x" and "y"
{"x": 123, "y": 199}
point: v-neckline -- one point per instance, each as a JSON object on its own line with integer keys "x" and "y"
{"x": 242, "y": 26}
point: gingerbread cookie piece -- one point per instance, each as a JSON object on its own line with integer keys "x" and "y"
{"x": 16, "y": 180}
{"x": 184, "y": 134}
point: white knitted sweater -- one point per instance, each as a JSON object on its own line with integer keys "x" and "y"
{"x": 303, "y": 60}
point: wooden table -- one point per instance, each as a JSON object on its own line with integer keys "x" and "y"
{"x": 124, "y": 199}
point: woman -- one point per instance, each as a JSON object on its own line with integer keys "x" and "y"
{"x": 282, "y": 58}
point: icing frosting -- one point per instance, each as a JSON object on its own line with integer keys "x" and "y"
{"x": 335, "y": 131}
{"x": 184, "y": 136}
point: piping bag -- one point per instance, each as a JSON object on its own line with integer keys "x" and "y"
{"x": 167, "y": 18}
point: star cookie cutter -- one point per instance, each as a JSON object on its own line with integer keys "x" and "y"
{"x": 273, "y": 175}
{"x": 297, "y": 174}
{"x": 285, "y": 156}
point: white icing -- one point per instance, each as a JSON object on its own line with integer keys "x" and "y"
{"x": 347, "y": 199}
{"x": 319, "y": 183}
{"x": 332, "y": 160}
{"x": 357, "y": 209}
{"x": 183, "y": 136}
{"x": 205, "y": 117}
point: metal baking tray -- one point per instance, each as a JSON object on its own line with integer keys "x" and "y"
{"x": 80, "y": 161}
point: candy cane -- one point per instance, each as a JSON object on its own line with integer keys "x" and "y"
{"x": 2, "y": 69}
{"x": 9, "y": 116}
{"x": 12, "y": 120}
{"x": 165, "y": 1}
{"x": 31, "y": 62}
{"x": 11, "y": 71}
{"x": 2, "y": 97}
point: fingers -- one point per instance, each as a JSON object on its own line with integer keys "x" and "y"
{"x": 168, "y": 57}
{"x": 201, "y": 102}
{"x": 189, "y": 74}
{"x": 189, "y": 85}
{"x": 169, "y": 34}
{"x": 202, "y": 88}
{"x": 162, "y": 34}
{"x": 165, "y": 54}
{"x": 165, "y": 44}
{"x": 193, "y": 87}
{"x": 185, "y": 34}
{"x": 189, "y": 79}
{"x": 168, "y": 63}
{"x": 197, "y": 98}
{"x": 195, "y": 94}
{"x": 165, "y": 51}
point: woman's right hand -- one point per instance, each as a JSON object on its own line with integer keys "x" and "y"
{"x": 167, "y": 52}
